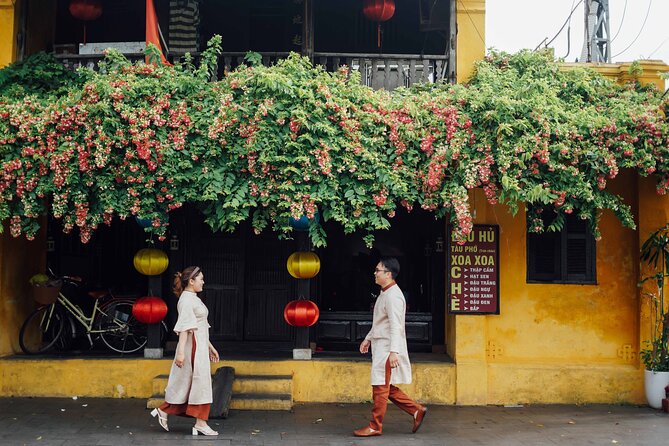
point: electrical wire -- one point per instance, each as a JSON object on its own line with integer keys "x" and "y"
{"x": 472, "y": 20}
{"x": 658, "y": 47}
{"x": 563, "y": 25}
{"x": 622, "y": 20}
{"x": 643, "y": 25}
{"x": 569, "y": 33}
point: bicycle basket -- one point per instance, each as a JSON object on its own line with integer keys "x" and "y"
{"x": 47, "y": 293}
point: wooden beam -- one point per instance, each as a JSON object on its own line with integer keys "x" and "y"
{"x": 308, "y": 30}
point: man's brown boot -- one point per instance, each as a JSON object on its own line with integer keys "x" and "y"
{"x": 418, "y": 419}
{"x": 366, "y": 432}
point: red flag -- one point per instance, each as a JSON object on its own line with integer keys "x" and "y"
{"x": 152, "y": 29}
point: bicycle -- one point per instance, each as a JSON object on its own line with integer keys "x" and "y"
{"x": 111, "y": 319}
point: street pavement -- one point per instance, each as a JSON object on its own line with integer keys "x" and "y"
{"x": 96, "y": 421}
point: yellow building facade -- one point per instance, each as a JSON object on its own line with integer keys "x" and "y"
{"x": 551, "y": 343}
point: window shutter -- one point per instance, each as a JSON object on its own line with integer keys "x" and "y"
{"x": 544, "y": 256}
{"x": 567, "y": 256}
{"x": 576, "y": 258}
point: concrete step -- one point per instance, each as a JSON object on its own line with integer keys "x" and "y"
{"x": 243, "y": 402}
{"x": 158, "y": 384}
{"x": 261, "y": 401}
{"x": 249, "y": 392}
{"x": 155, "y": 401}
{"x": 263, "y": 384}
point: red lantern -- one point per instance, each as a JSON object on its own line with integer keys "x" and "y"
{"x": 378, "y": 10}
{"x": 301, "y": 313}
{"x": 86, "y": 9}
{"x": 149, "y": 310}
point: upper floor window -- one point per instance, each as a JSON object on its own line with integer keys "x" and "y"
{"x": 566, "y": 256}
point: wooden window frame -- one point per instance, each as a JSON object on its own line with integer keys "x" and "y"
{"x": 560, "y": 244}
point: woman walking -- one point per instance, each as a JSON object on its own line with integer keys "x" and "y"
{"x": 188, "y": 391}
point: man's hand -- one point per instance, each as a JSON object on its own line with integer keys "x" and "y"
{"x": 394, "y": 360}
{"x": 364, "y": 346}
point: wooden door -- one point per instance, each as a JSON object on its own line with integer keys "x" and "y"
{"x": 221, "y": 257}
{"x": 269, "y": 288}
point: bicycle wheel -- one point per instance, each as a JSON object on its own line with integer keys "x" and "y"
{"x": 42, "y": 330}
{"x": 120, "y": 331}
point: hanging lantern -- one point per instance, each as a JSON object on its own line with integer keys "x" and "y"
{"x": 302, "y": 223}
{"x": 151, "y": 261}
{"x": 158, "y": 218}
{"x": 379, "y": 11}
{"x": 301, "y": 313}
{"x": 143, "y": 222}
{"x": 303, "y": 265}
{"x": 86, "y": 9}
{"x": 149, "y": 310}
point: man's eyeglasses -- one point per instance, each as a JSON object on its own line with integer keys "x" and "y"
{"x": 380, "y": 271}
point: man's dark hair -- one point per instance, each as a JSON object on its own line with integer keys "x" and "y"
{"x": 392, "y": 265}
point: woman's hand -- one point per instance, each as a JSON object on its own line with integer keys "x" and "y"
{"x": 213, "y": 354}
{"x": 179, "y": 359}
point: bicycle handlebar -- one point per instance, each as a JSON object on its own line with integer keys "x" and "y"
{"x": 74, "y": 280}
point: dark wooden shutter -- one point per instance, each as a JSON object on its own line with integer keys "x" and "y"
{"x": 579, "y": 251}
{"x": 544, "y": 258}
{"x": 567, "y": 256}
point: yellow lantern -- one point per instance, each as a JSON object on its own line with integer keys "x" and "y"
{"x": 151, "y": 261}
{"x": 303, "y": 265}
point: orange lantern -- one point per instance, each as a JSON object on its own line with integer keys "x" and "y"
{"x": 303, "y": 265}
{"x": 149, "y": 309}
{"x": 301, "y": 313}
{"x": 151, "y": 261}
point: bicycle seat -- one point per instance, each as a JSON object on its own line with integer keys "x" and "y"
{"x": 99, "y": 294}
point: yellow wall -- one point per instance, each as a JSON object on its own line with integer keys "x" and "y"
{"x": 561, "y": 343}
{"x": 19, "y": 260}
{"x": 621, "y": 71}
{"x": 555, "y": 343}
{"x": 313, "y": 381}
{"x": 471, "y": 36}
{"x": 8, "y": 26}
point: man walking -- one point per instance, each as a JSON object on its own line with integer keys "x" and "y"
{"x": 390, "y": 358}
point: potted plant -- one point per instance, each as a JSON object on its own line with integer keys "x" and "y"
{"x": 656, "y": 356}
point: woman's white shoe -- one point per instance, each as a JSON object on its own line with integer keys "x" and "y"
{"x": 206, "y": 430}
{"x": 162, "y": 418}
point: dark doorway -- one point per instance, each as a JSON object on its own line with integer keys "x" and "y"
{"x": 247, "y": 285}
{"x": 348, "y": 291}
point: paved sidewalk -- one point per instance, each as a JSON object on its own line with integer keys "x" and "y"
{"x": 90, "y": 421}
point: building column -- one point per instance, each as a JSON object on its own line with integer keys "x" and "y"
{"x": 653, "y": 209}
{"x": 308, "y": 30}
{"x": 20, "y": 259}
{"x": 471, "y": 335}
{"x": 471, "y": 36}
{"x": 8, "y": 27}
{"x": 471, "y": 382}
{"x": 653, "y": 214}
{"x": 466, "y": 335}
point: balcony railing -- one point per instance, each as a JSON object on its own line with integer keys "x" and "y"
{"x": 387, "y": 71}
